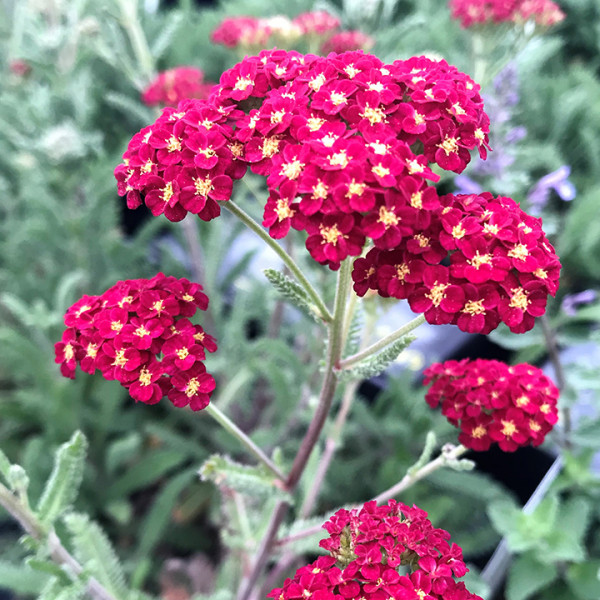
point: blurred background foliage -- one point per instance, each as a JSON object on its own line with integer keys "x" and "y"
{"x": 66, "y": 118}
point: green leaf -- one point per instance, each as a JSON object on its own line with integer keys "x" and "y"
{"x": 159, "y": 516}
{"x": 63, "y": 485}
{"x": 587, "y": 434}
{"x": 527, "y": 575}
{"x": 584, "y": 579}
{"x": 251, "y": 481}
{"x": 95, "y": 553}
{"x": 21, "y": 579}
{"x": 374, "y": 365}
{"x": 146, "y": 471}
{"x": 4, "y": 465}
{"x": 294, "y": 293}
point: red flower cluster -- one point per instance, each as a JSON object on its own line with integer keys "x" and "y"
{"x": 335, "y": 138}
{"x": 139, "y": 333}
{"x": 544, "y": 13}
{"x": 242, "y": 31}
{"x": 346, "y": 143}
{"x": 345, "y": 41}
{"x": 185, "y": 161}
{"x": 172, "y": 86}
{"x": 367, "y": 549}
{"x": 493, "y": 402}
{"x": 477, "y": 261}
{"x": 253, "y": 33}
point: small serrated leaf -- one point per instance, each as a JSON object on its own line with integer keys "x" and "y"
{"x": 527, "y": 575}
{"x": 255, "y": 481}
{"x": 374, "y": 365}
{"x": 63, "y": 484}
{"x": 21, "y": 579}
{"x": 293, "y": 292}
{"x": 95, "y": 552}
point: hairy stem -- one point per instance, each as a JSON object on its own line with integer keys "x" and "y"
{"x": 382, "y": 343}
{"x": 448, "y": 455}
{"x": 58, "y": 553}
{"x": 243, "y": 216}
{"x": 244, "y": 439}
{"x": 328, "y": 387}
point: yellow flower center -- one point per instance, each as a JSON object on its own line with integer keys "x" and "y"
{"x": 437, "y": 293}
{"x": 387, "y": 217}
{"x": 402, "y": 271}
{"x": 534, "y": 426}
{"x": 182, "y": 353}
{"x": 317, "y": 83}
{"x": 449, "y": 145}
{"x": 491, "y": 229}
{"x": 423, "y": 240}
{"x": 69, "y": 352}
{"x": 478, "y": 432}
{"x": 116, "y": 325}
{"x": 292, "y": 169}
{"x": 474, "y": 307}
{"x": 173, "y": 144}
{"x": 373, "y": 115}
{"x": 141, "y": 331}
{"x": 145, "y": 377}
{"x": 351, "y": 71}
{"x": 320, "y": 191}
{"x": 192, "y": 387}
{"x": 277, "y": 117}
{"x": 147, "y": 166}
{"x": 480, "y": 259}
{"x": 339, "y": 159}
{"x": 120, "y": 360}
{"x": 187, "y": 298}
{"x": 203, "y": 186}
{"x": 337, "y": 98}
{"x": 270, "y": 146}
{"x": 519, "y": 251}
{"x": 522, "y": 401}
{"x": 541, "y": 273}
{"x": 158, "y": 306}
{"x": 458, "y": 231}
{"x": 242, "y": 83}
{"x": 414, "y": 166}
{"x": 380, "y": 171}
{"x": 167, "y": 192}
{"x": 315, "y": 123}
{"x": 283, "y": 210}
{"x": 519, "y": 298}
{"x": 355, "y": 189}
{"x": 419, "y": 118}
{"x": 91, "y": 350}
{"x": 330, "y": 234}
{"x": 508, "y": 428}
{"x": 416, "y": 200}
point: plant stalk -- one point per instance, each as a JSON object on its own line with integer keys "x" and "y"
{"x": 245, "y": 218}
{"x": 244, "y": 439}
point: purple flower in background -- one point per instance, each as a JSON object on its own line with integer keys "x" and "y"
{"x": 572, "y": 301}
{"x": 465, "y": 185}
{"x": 557, "y": 181}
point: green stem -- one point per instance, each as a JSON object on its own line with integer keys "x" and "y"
{"x": 58, "y": 553}
{"x": 382, "y": 343}
{"x": 448, "y": 455}
{"x": 244, "y": 439}
{"x": 245, "y": 218}
{"x": 328, "y": 387}
{"x": 138, "y": 41}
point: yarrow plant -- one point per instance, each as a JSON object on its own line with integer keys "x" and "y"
{"x": 174, "y": 85}
{"x": 139, "y": 332}
{"x": 317, "y": 28}
{"x": 492, "y": 402}
{"x": 349, "y": 148}
{"x": 470, "y": 13}
{"x": 368, "y": 550}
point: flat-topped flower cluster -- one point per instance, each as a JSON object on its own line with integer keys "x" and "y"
{"x": 252, "y": 32}
{"x": 348, "y": 146}
{"x": 370, "y": 547}
{"x": 174, "y": 85}
{"x": 493, "y": 402}
{"x": 543, "y": 13}
{"x": 139, "y": 332}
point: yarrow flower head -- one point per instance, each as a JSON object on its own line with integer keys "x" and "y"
{"x": 492, "y": 402}
{"x": 543, "y": 13}
{"x": 381, "y": 552}
{"x": 346, "y": 144}
{"x": 139, "y": 332}
{"x": 345, "y": 41}
{"x": 172, "y": 86}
